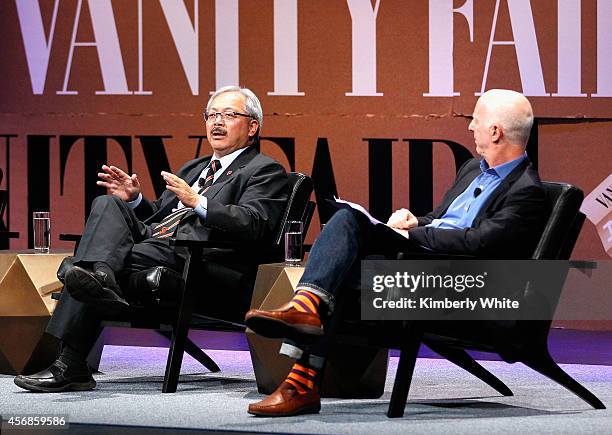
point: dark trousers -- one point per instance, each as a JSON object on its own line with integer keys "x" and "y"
{"x": 114, "y": 235}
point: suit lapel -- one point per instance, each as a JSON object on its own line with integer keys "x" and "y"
{"x": 460, "y": 187}
{"x": 465, "y": 182}
{"x": 172, "y": 200}
{"x": 193, "y": 175}
{"x": 228, "y": 173}
{"x": 504, "y": 186}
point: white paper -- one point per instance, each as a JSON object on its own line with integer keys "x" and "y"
{"x": 359, "y": 207}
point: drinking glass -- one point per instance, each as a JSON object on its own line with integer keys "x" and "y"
{"x": 293, "y": 242}
{"x": 42, "y": 231}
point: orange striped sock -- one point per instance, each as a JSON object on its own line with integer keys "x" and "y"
{"x": 306, "y": 302}
{"x": 302, "y": 378}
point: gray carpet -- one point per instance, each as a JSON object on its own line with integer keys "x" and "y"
{"x": 443, "y": 399}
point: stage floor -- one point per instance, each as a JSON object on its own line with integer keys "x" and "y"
{"x": 443, "y": 399}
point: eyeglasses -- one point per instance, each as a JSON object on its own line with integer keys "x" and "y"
{"x": 227, "y": 116}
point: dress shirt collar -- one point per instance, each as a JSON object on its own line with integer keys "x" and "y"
{"x": 227, "y": 160}
{"x": 504, "y": 169}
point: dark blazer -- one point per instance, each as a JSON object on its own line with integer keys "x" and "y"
{"x": 507, "y": 226}
{"x": 244, "y": 204}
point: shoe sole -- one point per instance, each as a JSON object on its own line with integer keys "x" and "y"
{"x": 306, "y": 410}
{"x": 73, "y": 386}
{"x": 274, "y": 328}
{"x": 86, "y": 289}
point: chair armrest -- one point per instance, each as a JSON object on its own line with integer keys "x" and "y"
{"x": 583, "y": 264}
{"x": 433, "y": 256}
{"x": 9, "y": 234}
{"x": 202, "y": 244}
{"x": 266, "y": 254}
{"x": 70, "y": 237}
{"x": 173, "y": 242}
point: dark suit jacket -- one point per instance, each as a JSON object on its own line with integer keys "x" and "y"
{"x": 507, "y": 226}
{"x": 244, "y": 204}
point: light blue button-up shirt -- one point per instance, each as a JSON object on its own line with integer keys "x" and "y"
{"x": 463, "y": 210}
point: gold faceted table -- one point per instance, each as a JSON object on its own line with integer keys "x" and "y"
{"x": 351, "y": 371}
{"x": 27, "y": 280}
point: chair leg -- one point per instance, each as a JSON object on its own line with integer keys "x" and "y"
{"x": 95, "y": 354}
{"x": 403, "y": 375}
{"x": 543, "y": 363}
{"x": 181, "y": 327}
{"x": 464, "y": 360}
{"x": 195, "y": 352}
{"x": 175, "y": 359}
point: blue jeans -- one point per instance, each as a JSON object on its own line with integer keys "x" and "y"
{"x": 334, "y": 268}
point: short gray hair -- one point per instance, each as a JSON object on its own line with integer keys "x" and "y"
{"x": 517, "y": 127}
{"x": 253, "y": 106}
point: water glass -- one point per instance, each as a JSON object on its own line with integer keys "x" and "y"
{"x": 42, "y": 231}
{"x": 293, "y": 243}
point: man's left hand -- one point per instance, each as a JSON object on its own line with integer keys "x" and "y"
{"x": 403, "y": 219}
{"x": 183, "y": 191}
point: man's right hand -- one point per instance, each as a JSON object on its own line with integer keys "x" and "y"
{"x": 119, "y": 183}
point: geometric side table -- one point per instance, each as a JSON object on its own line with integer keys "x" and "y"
{"x": 27, "y": 280}
{"x": 351, "y": 371}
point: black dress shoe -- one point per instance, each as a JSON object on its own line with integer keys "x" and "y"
{"x": 94, "y": 288}
{"x": 56, "y": 378}
{"x": 66, "y": 264}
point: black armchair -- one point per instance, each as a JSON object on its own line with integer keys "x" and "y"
{"x": 5, "y": 234}
{"x": 451, "y": 339}
{"x": 164, "y": 300}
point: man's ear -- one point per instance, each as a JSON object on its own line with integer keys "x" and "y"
{"x": 496, "y": 133}
{"x": 253, "y": 128}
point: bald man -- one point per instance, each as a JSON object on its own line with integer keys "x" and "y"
{"x": 496, "y": 208}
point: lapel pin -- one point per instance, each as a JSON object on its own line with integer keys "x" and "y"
{"x": 228, "y": 173}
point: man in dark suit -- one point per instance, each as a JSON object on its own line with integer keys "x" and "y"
{"x": 496, "y": 208}
{"x": 236, "y": 194}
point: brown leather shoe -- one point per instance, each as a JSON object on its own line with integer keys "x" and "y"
{"x": 285, "y": 322}
{"x": 286, "y": 401}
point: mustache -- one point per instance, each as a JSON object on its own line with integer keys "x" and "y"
{"x": 217, "y": 130}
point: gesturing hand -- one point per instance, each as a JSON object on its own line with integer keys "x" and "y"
{"x": 183, "y": 191}
{"x": 119, "y": 183}
{"x": 402, "y": 219}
